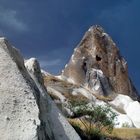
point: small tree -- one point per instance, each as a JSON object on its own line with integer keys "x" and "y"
{"x": 100, "y": 118}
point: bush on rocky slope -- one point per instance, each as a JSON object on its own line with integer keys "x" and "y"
{"x": 95, "y": 120}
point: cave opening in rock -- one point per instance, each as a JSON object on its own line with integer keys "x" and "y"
{"x": 84, "y": 67}
{"x": 98, "y": 58}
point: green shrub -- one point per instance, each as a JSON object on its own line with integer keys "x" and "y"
{"x": 100, "y": 119}
{"x": 126, "y": 125}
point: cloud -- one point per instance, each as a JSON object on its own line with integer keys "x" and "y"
{"x": 9, "y": 19}
{"x": 50, "y": 63}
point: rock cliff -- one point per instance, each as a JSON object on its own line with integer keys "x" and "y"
{"x": 97, "y": 64}
{"x": 26, "y": 110}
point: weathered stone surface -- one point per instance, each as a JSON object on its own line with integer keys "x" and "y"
{"x": 18, "y": 108}
{"x": 121, "y": 102}
{"x": 98, "y": 51}
{"x": 97, "y": 82}
{"x": 26, "y": 111}
{"x": 133, "y": 111}
{"x": 131, "y": 108}
{"x": 60, "y": 127}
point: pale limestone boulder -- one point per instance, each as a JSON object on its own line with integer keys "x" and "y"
{"x": 130, "y": 107}
{"x": 121, "y": 102}
{"x": 60, "y": 127}
{"x": 123, "y": 120}
{"x": 26, "y": 111}
{"x": 133, "y": 112}
{"x": 19, "y": 111}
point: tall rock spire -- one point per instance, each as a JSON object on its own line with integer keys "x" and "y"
{"x": 97, "y": 64}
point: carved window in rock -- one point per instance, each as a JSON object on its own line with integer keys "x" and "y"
{"x": 84, "y": 66}
{"x": 98, "y": 58}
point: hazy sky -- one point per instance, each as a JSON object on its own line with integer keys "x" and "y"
{"x": 50, "y": 29}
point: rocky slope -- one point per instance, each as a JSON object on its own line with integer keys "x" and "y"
{"x": 26, "y": 110}
{"x": 97, "y": 74}
{"x": 65, "y": 94}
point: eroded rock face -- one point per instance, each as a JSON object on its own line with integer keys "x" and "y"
{"x": 60, "y": 127}
{"x": 97, "y": 82}
{"x": 18, "y": 108}
{"x": 98, "y": 51}
{"x": 26, "y": 111}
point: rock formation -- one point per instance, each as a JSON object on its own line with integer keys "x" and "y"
{"x": 97, "y": 64}
{"x": 61, "y": 129}
{"x": 95, "y": 73}
{"x": 26, "y": 111}
{"x": 129, "y": 107}
{"x": 98, "y": 73}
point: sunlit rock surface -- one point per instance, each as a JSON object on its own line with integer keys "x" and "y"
{"x": 98, "y": 73}
{"x": 97, "y": 63}
{"x": 26, "y": 110}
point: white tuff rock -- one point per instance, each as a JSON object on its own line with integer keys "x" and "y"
{"x": 19, "y": 112}
{"x": 60, "y": 127}
{"x": 26, "y": 111}
{"x": 129, "y": 107}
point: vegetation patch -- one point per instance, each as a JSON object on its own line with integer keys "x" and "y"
{"x": 76, "y": 100}
{"x": 92, "y": 121}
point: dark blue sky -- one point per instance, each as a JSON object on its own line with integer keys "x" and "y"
{"x": 50, "y": 29}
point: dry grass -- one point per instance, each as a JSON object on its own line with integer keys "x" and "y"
{"x": 117, "y": 133}
{"x": 83, "y": 124}
{"x": 88, "y": 130}
{"x": 77, "y": 122}
{"x": 127, "y": 133}
{"x": 103, "y": 98}
{"x": 52, "y": 80}
{"x": 70, "y": 97}
{"x": 76, "y": 98}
